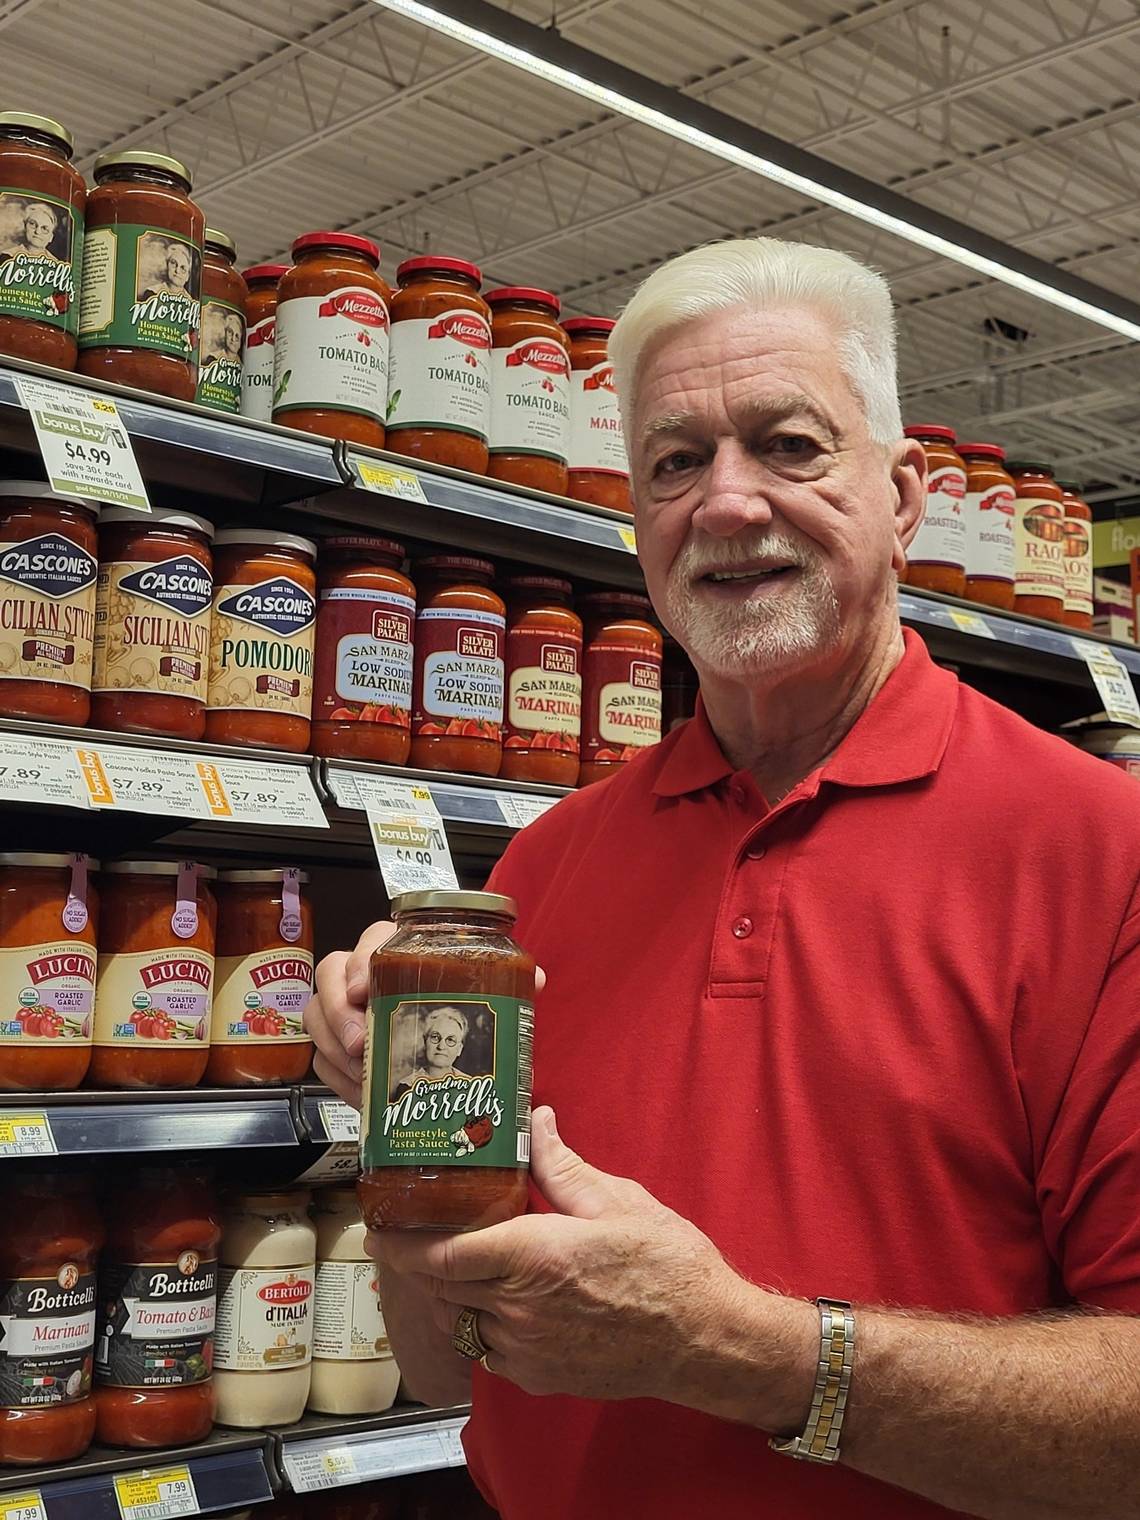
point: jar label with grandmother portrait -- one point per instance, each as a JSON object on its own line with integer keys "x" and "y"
{"x": 47, "y": 610}
{"x": 261, "y": 648}
{"x": 447, "y": 1081}
{"x": 41, "y": 254}
{"x": 220, "y": 356}
{"x": 152, "y": 627}
{"x": 141, "y": 288}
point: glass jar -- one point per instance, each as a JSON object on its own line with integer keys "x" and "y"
{"x": 158, "y": 1285}
{"x": 1078, "y": 609}
{"x": 544, "y": 682}
{"x": 48, "y": 568}
{"x": 936, "y": 558}
{"x": 679, "y": 687}
{"x": 621, "y": 697}
{"x": 1039, "y": 540}
{"x": 261, "y": 639}
{"x": 42, "y": 203}
{"x": 152, "y": 623}
{"x": 262, "y": 980}
{"x": 354, "y": 1371}
{"x": 140, "y": 308}
{"x": 362, "y": 685}
{"x": 439, "y": 385}
{"x": 49, "y": 916}
{"x": 223, "y": 325}
{"x": 330, "y": 352}
{"x": 599, "y": 468}
{"x": 530, "y": 390}
{"x": 445, "y": 1123}
{"x": 49, "y": 1248}
{"x": 457, "y": 698}
{"x": 990, "y": 505}
{"x": 261, "y": 281}
{"x": 156, "y": 974}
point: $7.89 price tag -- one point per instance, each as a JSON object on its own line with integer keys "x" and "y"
{"x": 156, "y": 1495}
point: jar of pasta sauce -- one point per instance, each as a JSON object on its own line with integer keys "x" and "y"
{"x": 261, "y": 639}
{"x": 158, "y": 1285}
{"x": 48, "y": 568}
{"x": 599, "y": 468}
{"x": 261, "y": 282}
{"x": 530, "y": 390}
{"x": 42, "y": 201}
{"x": 544, "y": 682}
{"x": 1039, "y": 541}
{"x": 263, "y": 978}
{"x": 152, "y": 623}
{"x": 156, "y": 974}
{"x": 223, "y": 325}
{"x": 1078, "y": 610}
{"x": 49, "y": 914}
{"x": 362, "y": 686}
{"x": 354, "y": 1371}
{"x": 936, "y": 558}
{"x": 621, "y": 697}
{"x": 49, "y": 1248}
{"x": 330, "y": 351}
{"x": 990, "y": 549}
{"x": 439, "y": 384}
{"x": 457, "y": 697}
{"x": 140, "y": 305}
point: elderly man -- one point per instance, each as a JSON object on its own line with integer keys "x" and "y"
{"x": 887, "y": 939}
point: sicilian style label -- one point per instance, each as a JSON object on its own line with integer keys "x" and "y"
{"x": 621, "y": 704}
{"x": 990, "y": 549}
{"x": 440, "y": 373}
{"x": 1039, "y": 532}
{"x": 261, "y": 647}
{"x": 154, "y": 995}
{"x": 265, "y": 1318}
{"x": 364, "y": 657}
{"x": 47, "y": 610}
{"x": 447, "y": 1081}
{"x": 332, "y": 352}
{"x": 261, "y": 998}
{"x": 348, "y": 1325}
{"x": 41, "y": 255}
{"x": 1078, "y": 565}
{"x": 152, "y": 627}
{"x": 257, "y": 370}
{"x": 459, "y": 673}
{"x": 544, "y": 691}
{"x": 141, "y": 289}
{"x": 530, "y": 399}
{"x": 156, "y": 1322}
{"x": 47, "y": 993}
{"x": 48, "y": 1338}
{"x": 941, "y": 538}
{"x": 220, "y": 356}
{"x": 597, "y": 441}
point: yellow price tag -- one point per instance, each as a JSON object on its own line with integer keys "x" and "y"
{"x": 26, "y": 1134}
{"x": 105, "y": 406}
{"x": 390, "y": 480}
{"x": 421, "y": 794}
{"x": 156, "y": 1495}
{"x": 970, "y": 622}
{"x": 629, "y": 539}
{"x": 94, "y": 774}
{"x": 214, "y": 788}
{"x": 338, "y": 1462}
{"x": 29, "y": 1506}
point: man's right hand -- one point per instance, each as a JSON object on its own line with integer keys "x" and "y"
{"x": 336, "y": 1013}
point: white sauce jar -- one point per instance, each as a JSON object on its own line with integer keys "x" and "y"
{"x": 353, "y": 1368}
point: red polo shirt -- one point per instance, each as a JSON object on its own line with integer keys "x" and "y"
{"x": 881, "y": 1042}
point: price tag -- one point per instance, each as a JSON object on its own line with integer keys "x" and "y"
{"x": 389, "y": 480}
{"x": 628, "y": 538}
{"x": 29, "y": 1506}
{"x": 26, "y": 1134}
{"x": 339, "y": 1120}
{"x": 86, "y": 448}
{"x": 156, "y": 1495}
{"x": 40, "y": 770}
{"x": 519, "y": 809}
{"x": 141, "y": 781}
{"x": 251, "y": 791}
{"x": 311, "y": 1468}
{"x": 1111, "y": 680}
{"x": 452, "y": 1438}
{"x": 970, "y": 622}
{"x": 340, "y": 1163}
{"x": 407, "y": 835}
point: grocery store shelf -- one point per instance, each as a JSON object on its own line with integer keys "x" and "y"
{"x": 91, "y": 1122}
{"x": 329, "y": 1452}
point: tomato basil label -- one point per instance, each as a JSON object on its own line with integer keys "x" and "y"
{"x": 530, "y": 399}
{"x": 46, "y": 994}
{"x": 47, "y": 1333}
{"x": 544, "y": 691}
{"x": 440, "y": 373}
{"x": 989, "y": 534}
{"x": 257, "y": 370}
{"x": 621, "y": 703}
{"x": 459, "y": 673}
{"x": 941, "y": 538}
{"x": 220, "y": 356}
{"x": 141, "y": 288}
{"x": 331, "y": 352}
{"x": 41, "y": 254}
{"x": 447, "y": 1081}
{"x": 156, "y": 1322}
{"x": 261, "y": 997}
{"x": 364, "y": 657}
{"x": 47, "y": 610}
{"x": 152, "y": 627}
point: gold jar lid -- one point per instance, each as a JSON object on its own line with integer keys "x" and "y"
{"x": 44, "y": 124}
{"x": 222, "y": 240}
{"x": 139, "y": 158}
{"x": 459, "y": 902}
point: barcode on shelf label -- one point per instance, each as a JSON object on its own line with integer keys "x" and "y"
{"x": 85, "y": 445}
{"x": 339, "y": 1120}
{"x": 970, "y": 622}
{"x": 1112, "y": 681}
{"x": 389, "y": 480}
{"x": 407, "y": 834}
{"x": 518, "y": 809}
{"x": 26, "y": 1134}
{"x": 140, "y": 781}
{"x": 40, "y": 770}
{"x": 26, "y": 1506}
{"x": 252, "y": 791}
{"x": 382, "y": 1454}
{"x": 156, "y": 1495}
{"x": 340, "y": 1163}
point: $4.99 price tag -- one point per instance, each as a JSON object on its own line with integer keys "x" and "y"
{"x": 86, "y": 448}
{"x": 156, "y": 1495}
{"x": 407, "y": 835}
{"x": 29, "y": 1506}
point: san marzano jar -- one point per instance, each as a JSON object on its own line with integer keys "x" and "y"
{"x": 223, "y": 325}
{"x": 621, "y": 696}
{"x": 936, "y": 558}
{"x": 530, "y": 390}
{"x": 599, "y": 468}
{"x": 457, "y": 701}
{"x": 261, "y": 281}
{"x": 990, "y": 550}
{"x": 544, "y": 682}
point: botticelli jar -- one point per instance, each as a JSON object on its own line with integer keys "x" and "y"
{"x": 140, "y": 304}
{"x": 263, "y": 978}
{"x": 330, "y": 352}
{"x": 261, "y": 281}
{"x": 621, "y": 697}
{"x": 457, "y": 699}
{"x": 49, "y": 914}
{"x": 599, "y": 468}
{"x": 223, "y": 325}
{"x": 936, "y": 558}
{"x": 1039, "y": 541}
{"x": 156, "y": 974}
{"x": 445, "y": 1124}
{"x": 152, "y": 623}
{"x": 439, "y": 381}
{"x": 354, "y": 1371}
{"x": 990, "y": 508}
{"x": 362, "y": 683}
{"x": 42, "y": 200}
{"x": 261, "y": 639}
{"x": 543, "y": 725}
{"x": 530, "y": 390}
{"x": 1078, "y": 610}
{"x": 49, "y": 1250}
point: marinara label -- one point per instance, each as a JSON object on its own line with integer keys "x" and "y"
{"x": 257, "y": 370}
{"x": 156, "y": 1322}
{"x": 261, "y": 647}
{"x": 141, "y": 289}
{"x": 544, "y": 691}
{"x": 597, "y": 441}
{"x": 220, "y": 356}
{"x": 440, "y": 373}
{"x": 1078, "y": 565}
{"x": 459, "y": 673}
{"x": 47, "y": 1336}
{"x": 331, "y": 351}
{"x": 989, "y": 534}
{"x": 154, "y": 996}
{"x": 621, "y": 703}
{"x": 447, "y": 1081}
{"x": 1039, "y": 534}
{"x": 260, "y": 998}
{"x": 41, "y": 255}
{"x": 530, "y": 399}
{"x": 941, "y": 537}
{"x": 47, "y": 610}
{"x": 348, "y": 1324}
{"x": 364, "y": 657}
{"x": 47, "y": 992}
{"x": 265, "y": 1318}
{"x": 152, "y": 627}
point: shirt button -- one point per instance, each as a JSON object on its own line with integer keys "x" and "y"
{"x": 756, "y": 851}
{"x": 737, "y": 793}
{"x": 742, "y": 928}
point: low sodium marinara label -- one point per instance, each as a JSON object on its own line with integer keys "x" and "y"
{"x": 257, "y": 370}
{"x": 46, "y": 1349}
{"x": 154, "y": 997}
{"x": 1078, "y": 565}
{"x": 265, "y": 1318}
{"x": 597, "y": 441}
{"x": 220, "y": 356}
{"x": 331, "y": 351}
{"x": 364, "y": 657}
{"x": 621, "y": 703}
{"x": 544, "y": 691}
{"x": 1039, "y": 533}
{"x": 47, "y": 992}
{"x": 459, "y": 673}
{"x": 41, "y": 255}
{"x": 260, "y": 998}
{"x": 440, "y": 373}
{"x": 141, "y": 289}
{"x": 989, "y": 534}
{"x": 941, "y": 538}
{"x": 156, "y": 1322}
{"x": 152, "y": 627}
{"x": 47, "y": 610}
{"x": 447, "y": 1081}
{"x": 530, "y": 399}
{"x": 261, "y": 647}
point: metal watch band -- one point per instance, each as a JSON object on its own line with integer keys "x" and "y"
{"x": 820, "y": 1439}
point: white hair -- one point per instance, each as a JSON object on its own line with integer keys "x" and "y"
{"x": 767, "y": 273}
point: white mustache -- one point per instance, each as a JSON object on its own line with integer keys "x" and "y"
{"x": 697, "y": 558}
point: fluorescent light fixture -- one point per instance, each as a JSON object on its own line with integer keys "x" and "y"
{"x": 623, "y": 105}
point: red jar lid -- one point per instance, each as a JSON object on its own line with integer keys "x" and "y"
{"x": 983, "y": 450}
{"x": 346, "y": 240}
{"x": 264, "y": 271}
{"x": 460, "y": 563}
{"x": 445, "y": 265}
{"x": 524, "y": 293}
{"x": 539, "y": 583}
{"x": 366, "y": 542}
{"x": 574, "y": 325}
{"x": 931, "y": 430}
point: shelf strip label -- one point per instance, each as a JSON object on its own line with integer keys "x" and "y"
{"x": 388, "y": 480}
{"x": 27, "y": 1506}
{"x": 380, "y": 1454}
{"x": 156, "y": 1495}
{"x": 970, "y": 622}
{"x": 1112, "y": 681}
{"x": 85, "y": 445}
{"x": 339, "y": 1120}
{"x": 26, "y": 1134}
{"x": 520, "y": 808}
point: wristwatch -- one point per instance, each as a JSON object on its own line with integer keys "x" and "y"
{"x": 819, "y": 1441}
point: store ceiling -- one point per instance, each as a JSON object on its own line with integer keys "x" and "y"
{"x": 1019, "y": 116}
